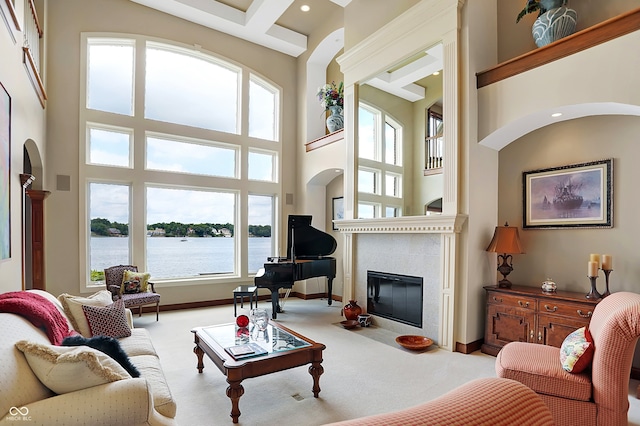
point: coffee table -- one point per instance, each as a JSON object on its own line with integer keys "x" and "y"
{"x": 284, "y": 349}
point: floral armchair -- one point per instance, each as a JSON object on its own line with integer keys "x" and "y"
{"x": 114, "y": 280}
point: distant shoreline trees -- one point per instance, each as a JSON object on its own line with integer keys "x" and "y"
{"x": 106, "y": 228}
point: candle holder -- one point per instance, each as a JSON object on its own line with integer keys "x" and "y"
{"x": 593, "y": 294}
{"x": 606, "y": 277}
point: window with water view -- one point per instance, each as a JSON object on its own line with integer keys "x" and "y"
{"x": 164, "y": 189}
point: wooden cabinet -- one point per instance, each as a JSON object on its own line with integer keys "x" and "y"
{"x": 526, "y": 314}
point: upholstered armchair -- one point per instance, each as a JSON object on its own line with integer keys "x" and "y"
{"x": 115, "y": 282}
{"x": 598, "y": 395}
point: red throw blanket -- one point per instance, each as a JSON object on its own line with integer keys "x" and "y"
{"x": 40, "y": 311}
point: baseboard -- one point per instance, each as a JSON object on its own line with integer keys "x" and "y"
{"x": 467, "y": 348}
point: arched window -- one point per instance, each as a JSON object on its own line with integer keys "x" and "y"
{"x": 180, "y": 161}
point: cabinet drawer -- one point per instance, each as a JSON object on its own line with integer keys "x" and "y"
{"x": 566, "y": 309}
{"x": 511, "y": 300}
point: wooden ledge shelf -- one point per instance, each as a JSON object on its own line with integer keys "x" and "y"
{"x": 325, "y": 140}
{"x": 582, "y": 40}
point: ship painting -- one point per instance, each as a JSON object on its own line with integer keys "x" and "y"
{"x": 567, "y": 197}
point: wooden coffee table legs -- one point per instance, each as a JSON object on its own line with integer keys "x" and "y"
{"x": 234, "y": 392}
{"x": 316, "y": 370}
{"x": 199, "y": 353}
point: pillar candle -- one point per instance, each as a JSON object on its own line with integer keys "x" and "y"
{"x": 595, "y": 258}
{"x": 593, "y": 269}
{"x": 607, "y": 261}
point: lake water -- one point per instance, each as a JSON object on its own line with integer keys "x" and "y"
{"x": 179, "y": 257}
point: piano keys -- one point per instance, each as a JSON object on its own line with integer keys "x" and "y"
{"x": 307, "y": 257}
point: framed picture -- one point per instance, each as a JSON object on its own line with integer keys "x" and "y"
{"x": 338, "y": 210}
{"x": 574, "y": 196}
{"x": 5, "y": 165}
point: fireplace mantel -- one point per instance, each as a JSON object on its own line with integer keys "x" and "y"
{"x": 433, "y": 224}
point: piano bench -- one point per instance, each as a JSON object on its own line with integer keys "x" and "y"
{"x": 241, "y": 292}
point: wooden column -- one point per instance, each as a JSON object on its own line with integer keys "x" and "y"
{"x": 37, "y": 236}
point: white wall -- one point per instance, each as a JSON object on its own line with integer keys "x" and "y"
{"x": 27, "y": 122}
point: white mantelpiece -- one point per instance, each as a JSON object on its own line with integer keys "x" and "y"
{"x": 435, "y": 224}
{"x": 426, "y": 24}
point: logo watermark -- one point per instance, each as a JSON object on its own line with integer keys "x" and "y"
{"x": 18, "y": 414}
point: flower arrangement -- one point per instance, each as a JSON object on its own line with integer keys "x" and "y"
{"x": 540, "y": 6}
{"x": 331, "y": 95}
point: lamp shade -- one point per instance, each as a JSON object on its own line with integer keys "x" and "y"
{"x": 506, "y": 240}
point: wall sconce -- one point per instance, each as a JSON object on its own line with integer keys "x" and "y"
{"x": 505, "y": 240}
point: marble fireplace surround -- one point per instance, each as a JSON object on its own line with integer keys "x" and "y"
{"x": 422, "y": 246}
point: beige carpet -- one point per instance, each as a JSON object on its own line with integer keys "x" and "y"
{"x": 365, "y": 372}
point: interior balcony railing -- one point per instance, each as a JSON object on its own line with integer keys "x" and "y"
{"x": 31, "y": 47}
{"x": 433, "y": 155}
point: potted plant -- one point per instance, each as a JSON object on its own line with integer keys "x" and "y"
{"x": 332, "y": 99}
{"x": 555, "y": 20}
{"x": 540, "y": 6}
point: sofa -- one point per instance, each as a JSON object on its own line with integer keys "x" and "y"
{"x": 482, "y": 402}
{"x": 108, "y": 394}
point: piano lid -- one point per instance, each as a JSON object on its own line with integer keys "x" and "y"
{"x": 307, "y": 240}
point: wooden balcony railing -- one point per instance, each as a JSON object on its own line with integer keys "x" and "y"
{"x": 31, "y": 48}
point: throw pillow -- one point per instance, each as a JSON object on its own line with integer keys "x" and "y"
{"x": 109, "y": 346}
{"x": 576, "y": 352}
{"x": 67, "y": 369}
{"x": 73, "y": 308}
{"x": 141, "y": 277}
{"x": 108, "y": 320}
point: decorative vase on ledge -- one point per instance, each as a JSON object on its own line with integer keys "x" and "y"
{"x": 335, "y": 121}
{"x": 554, "y": 24}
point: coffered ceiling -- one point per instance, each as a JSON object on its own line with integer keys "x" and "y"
{"x": 278, "y": 24}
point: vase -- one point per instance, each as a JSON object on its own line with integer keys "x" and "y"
{"x": 335, "y": 121}
{"x": 351, "y": 310}
{"x": 553, "y": 25}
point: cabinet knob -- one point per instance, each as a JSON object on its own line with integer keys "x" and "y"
{"x": 531, "y": 335}
{"x": 495, "y": 299}
{"x": 523, "y": 304}
{"x": 539, "y": 336}
{"x": 587, "y": 315}
{"x": 555, "y": 308}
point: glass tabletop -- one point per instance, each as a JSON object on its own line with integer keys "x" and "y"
{"x": 273, "y": 339}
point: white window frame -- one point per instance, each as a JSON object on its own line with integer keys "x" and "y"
{"x": 139, "y": 178}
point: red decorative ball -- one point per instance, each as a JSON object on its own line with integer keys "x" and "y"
{"x": 242, "y": 320}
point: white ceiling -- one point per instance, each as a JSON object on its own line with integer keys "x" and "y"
{"x": 276, "y": 24}
{"x": 282, "y": 26}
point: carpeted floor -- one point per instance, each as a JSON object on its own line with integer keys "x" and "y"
{"x": 365, "y": 371}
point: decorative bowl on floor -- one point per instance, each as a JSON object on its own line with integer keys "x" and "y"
{"x": 349, "y": 324}
{"x": 414, "y": 343}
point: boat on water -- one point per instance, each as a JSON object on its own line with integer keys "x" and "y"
{"x": 566, "y": 197}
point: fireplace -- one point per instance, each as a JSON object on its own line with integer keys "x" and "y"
{"x": 396, "y": 297}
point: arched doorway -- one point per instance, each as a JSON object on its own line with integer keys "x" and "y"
{"x": 32, "y": 218}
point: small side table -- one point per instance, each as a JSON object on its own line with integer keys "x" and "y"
{"x": 241, "y": 292}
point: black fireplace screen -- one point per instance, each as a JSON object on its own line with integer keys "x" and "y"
{"x": 396, "y": 297}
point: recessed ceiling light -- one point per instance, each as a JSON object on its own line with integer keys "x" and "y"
{"x": 305, "y": 8}
{"x": 436, "y": 73}
{"x": 556, "y": 114}
{"x": 338, "y": 170}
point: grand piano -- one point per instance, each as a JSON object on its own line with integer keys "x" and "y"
{"x": 307, "y": 257}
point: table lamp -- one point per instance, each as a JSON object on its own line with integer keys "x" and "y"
{"x": 505, "y": 240}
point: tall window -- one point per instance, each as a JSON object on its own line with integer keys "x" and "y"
{"x": 380, "y": 171}
{"x": 164, "y": 181}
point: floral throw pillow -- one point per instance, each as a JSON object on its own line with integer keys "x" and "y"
{"x": 134, "y": 282}
{"x": 108, "y": 320}
{"x": 576, "y": 352}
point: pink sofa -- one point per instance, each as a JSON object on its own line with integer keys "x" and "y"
{"x": 481, "y": 402}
